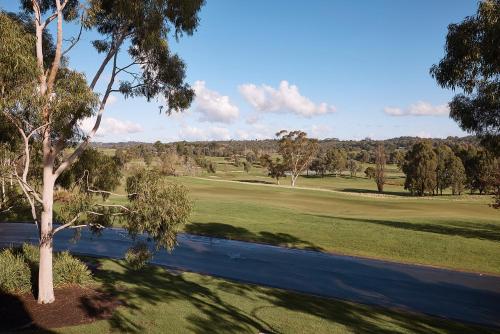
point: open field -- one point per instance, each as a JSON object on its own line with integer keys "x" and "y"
{"x": 158, "y": 301}
{"x": 345, "y": 215}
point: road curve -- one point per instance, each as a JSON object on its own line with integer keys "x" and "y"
{"x": 455, "y": 295}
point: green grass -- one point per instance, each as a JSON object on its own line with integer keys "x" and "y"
{"x": 345, "y": 215}
{"x": 158, "y": 301}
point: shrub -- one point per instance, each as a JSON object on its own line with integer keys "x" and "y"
{"x": 69, "y": 270}
{"x": 30, "y": 253}
{"x": 138, "y": 255}
{"x": 15, "y": 275}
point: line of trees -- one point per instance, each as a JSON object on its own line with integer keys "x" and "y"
{"x": 430, "y": 170}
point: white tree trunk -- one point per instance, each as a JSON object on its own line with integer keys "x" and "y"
{"x": 45, "y": 280}
{"x": 294, "y": 178}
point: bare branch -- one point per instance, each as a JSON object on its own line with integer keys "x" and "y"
{"x": 78, "y": 151}
{"x": 67, "y": 224}
{"x": 73, "y": 40}
{"x": 115, "y": 206}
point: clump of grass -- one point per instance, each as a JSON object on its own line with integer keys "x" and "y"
{"x": 20, "y": 264}
{"x": 138, "y": 255}
{"x": 69, "y": 270}
{"x": 15, "y": 275}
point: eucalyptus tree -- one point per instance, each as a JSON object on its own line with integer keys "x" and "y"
{"x": 379, "y": 175}
{"x": 471, "y": 64}
{"x": 420, "y": 169}
{"x": 297, "y": 151}
{"x": 45, "y": 99}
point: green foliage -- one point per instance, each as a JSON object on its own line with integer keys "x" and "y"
{"x": 370, "y": 172}
{"x": 146, "y": 26}
{"x": 455, "y": 175}
{"x": 471, "y": 64}
{"x": 15, "y": 274}
{"x": 380, "y": 167}
{"x": 157, "y": 207}
{"x": 276, "y": 169}
{"x": 96, "y": 170}
{"x": 336, "y": 160}
{"x": 297, "y": 151}
{"x": 420, "y": 169}
{"x": 68, "y": 270}
{"x": 21, "y": 263}
{"x": 138, "y": 256}
{"x": 247, "y": 166}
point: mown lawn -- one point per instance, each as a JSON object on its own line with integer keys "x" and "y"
{"x": 461, "y": 233}
{"x": 455, "y": 232}
{"x": 158, "y": 301}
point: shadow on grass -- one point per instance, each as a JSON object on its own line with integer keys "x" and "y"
{"x": 215, "y": 307}
{"x": 374, "y": 191}
{"x": 239, "y": 233}
{"x": 467, "y": 230}
{"x": 256, "y": 181}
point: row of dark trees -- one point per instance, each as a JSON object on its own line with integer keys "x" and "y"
{"x": 430, "y": 170}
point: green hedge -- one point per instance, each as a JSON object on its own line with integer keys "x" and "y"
{"x": 18, "y": 265}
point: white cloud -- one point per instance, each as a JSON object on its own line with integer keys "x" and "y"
{"x": 285, "y": 98}
{"x": 110, "y": 125}
{"x": 212, "y": 133}
{"x": 213, "y": 106}
{"x": 421, "y": 108}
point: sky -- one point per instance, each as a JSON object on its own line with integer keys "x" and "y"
{"x": 334, "y": 69}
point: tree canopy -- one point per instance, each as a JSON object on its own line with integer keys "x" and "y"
{"x": 472, "y": 64}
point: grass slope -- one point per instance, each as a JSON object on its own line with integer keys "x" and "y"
{"x": 158, "y": 301}
{"x": 450, "y": 232}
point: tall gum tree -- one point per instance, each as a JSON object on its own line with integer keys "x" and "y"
{"x": 297, "y": 151}
{"x": 132, "y": 31}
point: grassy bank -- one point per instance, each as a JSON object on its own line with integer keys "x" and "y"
{"x": 158, "y": 301}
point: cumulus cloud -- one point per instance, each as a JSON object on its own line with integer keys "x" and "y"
{"x": 212, "y": 133}
{"x": 213, "y": 106}
{"x": 285, "y": 98}
{"x": 110, "y": 125}
{"x": 421, "y": 108}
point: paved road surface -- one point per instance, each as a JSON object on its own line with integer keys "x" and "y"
{"x": 461, "y": 296}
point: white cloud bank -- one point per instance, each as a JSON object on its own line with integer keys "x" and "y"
{"x": 285, "y": 98}
{"x": 421, "y": 108}
{"x": 213, "y": 106}
{"x": 110, "y": 126}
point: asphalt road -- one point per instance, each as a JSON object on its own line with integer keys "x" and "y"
{"x": 456, "y": 295}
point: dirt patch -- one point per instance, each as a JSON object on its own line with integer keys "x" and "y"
{"x": 73, "y": 306}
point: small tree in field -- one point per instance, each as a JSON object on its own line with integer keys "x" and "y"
{"x": 276, "y": 169}
{"x": 297, "y": 151}
{"x": 247, "y": 166}
{"x": 420, "y": 169}
{"x": 380, "y": 168}
{"x": 45, "y": 99}
{"x": 370, "y": 172}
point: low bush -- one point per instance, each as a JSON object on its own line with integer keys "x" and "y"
{"x": 18, "y": 265}
{"x": 70, "y": 270}
{"x": 138, "y": 255}
{"x": 15, "y": 275}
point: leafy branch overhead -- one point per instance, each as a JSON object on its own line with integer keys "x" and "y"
{"x": 472, "y": 64}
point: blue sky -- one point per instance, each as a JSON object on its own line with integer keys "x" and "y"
{"x": 344, "y": 69}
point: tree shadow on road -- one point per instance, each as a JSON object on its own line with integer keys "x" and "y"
{"x": 221, "y": 306}
{"x": 227, "y": 231}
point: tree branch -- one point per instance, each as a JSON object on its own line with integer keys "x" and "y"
{"x": 74, "y": 41}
